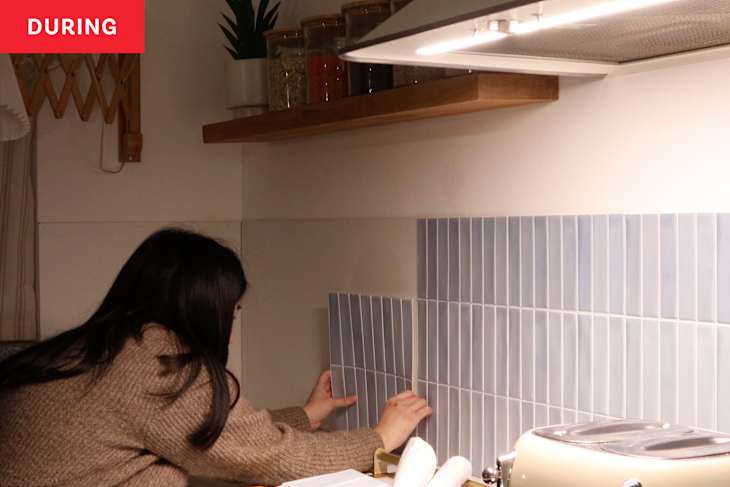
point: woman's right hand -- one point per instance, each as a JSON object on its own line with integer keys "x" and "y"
{"x": 401, "y": 415}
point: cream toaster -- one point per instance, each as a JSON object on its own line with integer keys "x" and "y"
{"x": 621, "y": 453}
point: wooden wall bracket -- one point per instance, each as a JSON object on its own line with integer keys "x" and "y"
{"x": 130, "y": 123}
{"x": 99, "y": 76}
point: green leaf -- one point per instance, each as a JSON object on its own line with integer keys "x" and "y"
{"x": 231, "y": 24}
{"x": 244, "y": 30}
{"x": 248, "y": 16}
{"x": 243, "y": 12}
{"x": 235, "y": 6}
{"x": 271, "y": 15}
{"x": 230, "y": 36}
{"x": 263, "y": 6}
{"x": 273, "y": 22}
{"x": 233, "y": 53}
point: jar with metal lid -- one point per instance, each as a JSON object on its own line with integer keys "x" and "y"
{"x": 412, "y": 75}
{"x": 324, "y": 36}
{"x": 360, "y": 18}
{"x": 287, "y": 76}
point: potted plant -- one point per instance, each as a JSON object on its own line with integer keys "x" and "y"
{"x": 245, "y": 70}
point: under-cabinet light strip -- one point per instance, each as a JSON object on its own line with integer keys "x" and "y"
{"x": 480, "y": 37}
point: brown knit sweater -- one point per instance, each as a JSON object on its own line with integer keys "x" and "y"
{"x": 67, "y": 433}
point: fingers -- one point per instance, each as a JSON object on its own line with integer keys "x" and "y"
{"x": 403, "y": 395}
{"x": 408, "y": 400}
{"x": 413, "y": 403}
{"x": 424, "y": 413}
{"x": 325, "y": 378}
{"x": 344, "y": 402}
{"x": 324, "y": 383}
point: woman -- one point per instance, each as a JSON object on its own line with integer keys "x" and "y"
{"x": 139, "y": 394}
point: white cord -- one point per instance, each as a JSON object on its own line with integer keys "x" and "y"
{"x": 101, "y": 153}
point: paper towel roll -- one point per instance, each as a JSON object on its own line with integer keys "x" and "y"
{"x": 417, "y": 464}
{"x": 453, "y": 473}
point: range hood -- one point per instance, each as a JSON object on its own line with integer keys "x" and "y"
{"x": 564, "y": 37}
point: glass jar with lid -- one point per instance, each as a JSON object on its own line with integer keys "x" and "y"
{"x": 287, "y": 76}
{"x": 360, "y": 18}
{"x": 412, "y": 75}
{"x": 324, "y": 36}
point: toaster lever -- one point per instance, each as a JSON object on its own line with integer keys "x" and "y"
{"x": 631, "y": 483}
{"x": 500, "y": 476}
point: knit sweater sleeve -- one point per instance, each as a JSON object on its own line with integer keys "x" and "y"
{"x": 252, "y": 447}
{"x": 294, "y": 417}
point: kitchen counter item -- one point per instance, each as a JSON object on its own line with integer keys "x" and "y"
{"x": 386, "y": 463}
{"x": 324, "y": 36}
{"x": 287, "y": 74}
{"x": 615, "y": 454}
{"x": 609, "y": 431}
{"x": 453, "y": 473}
{"x": 417, "y": 464}
{"x": 686, "y": 446}
{"x": 360, "y": 18}
{"x": 346, "y": 478}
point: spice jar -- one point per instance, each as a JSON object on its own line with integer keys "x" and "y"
{"x": 324, "y": 36}
{"x": 287, "y": 81}
{"x": 360, "y": 18}
{"x": 412, "y": 75}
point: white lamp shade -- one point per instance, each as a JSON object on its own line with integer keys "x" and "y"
{"x": 14, "y": 122}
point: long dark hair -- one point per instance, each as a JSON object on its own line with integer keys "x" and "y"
{"x": 182, "y": 280}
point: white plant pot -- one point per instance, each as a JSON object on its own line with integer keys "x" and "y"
{"x": 246, "y": 86}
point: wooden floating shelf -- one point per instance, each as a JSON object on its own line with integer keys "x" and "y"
{"x": 450, "y": 96}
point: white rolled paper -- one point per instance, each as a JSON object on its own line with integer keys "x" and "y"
{"x": 453, "y": 473}
{"x": 417, "y": 464}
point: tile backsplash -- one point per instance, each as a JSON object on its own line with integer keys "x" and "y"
{"x": 528, "y": 321}
{"x": 371, "y": 353}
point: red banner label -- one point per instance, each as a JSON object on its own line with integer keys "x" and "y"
{"x": 72, "y": 26}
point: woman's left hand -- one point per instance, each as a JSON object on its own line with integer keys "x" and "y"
{"x": 321, "y": 403}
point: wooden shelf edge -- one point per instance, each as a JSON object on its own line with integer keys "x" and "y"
{"x": 450, "y": 96}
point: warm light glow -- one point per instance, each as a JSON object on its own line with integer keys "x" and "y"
{"x": 582, "y": 15}
{"x": 461, "y": 43}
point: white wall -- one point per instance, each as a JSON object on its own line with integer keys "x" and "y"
{"x": 179, "y": 177}
{"x": 647, "y": 142}
{"x": 91, "y": 221}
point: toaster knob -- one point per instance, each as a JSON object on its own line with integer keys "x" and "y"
{"x": 500, "y": 476}
{"x": 631, "y": 483}
{"x": 491, "y": 476}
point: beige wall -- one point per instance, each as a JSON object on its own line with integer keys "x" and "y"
{"x": 292, "y": 266}
{"x": 179, "y": 179}
{"x": 91, "y": 221}
{"x": 647, "y": 142}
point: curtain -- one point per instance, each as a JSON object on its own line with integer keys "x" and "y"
{"x": 18, "y": 249}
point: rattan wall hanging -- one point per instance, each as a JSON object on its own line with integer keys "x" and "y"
{"x": 110, "y": 82}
